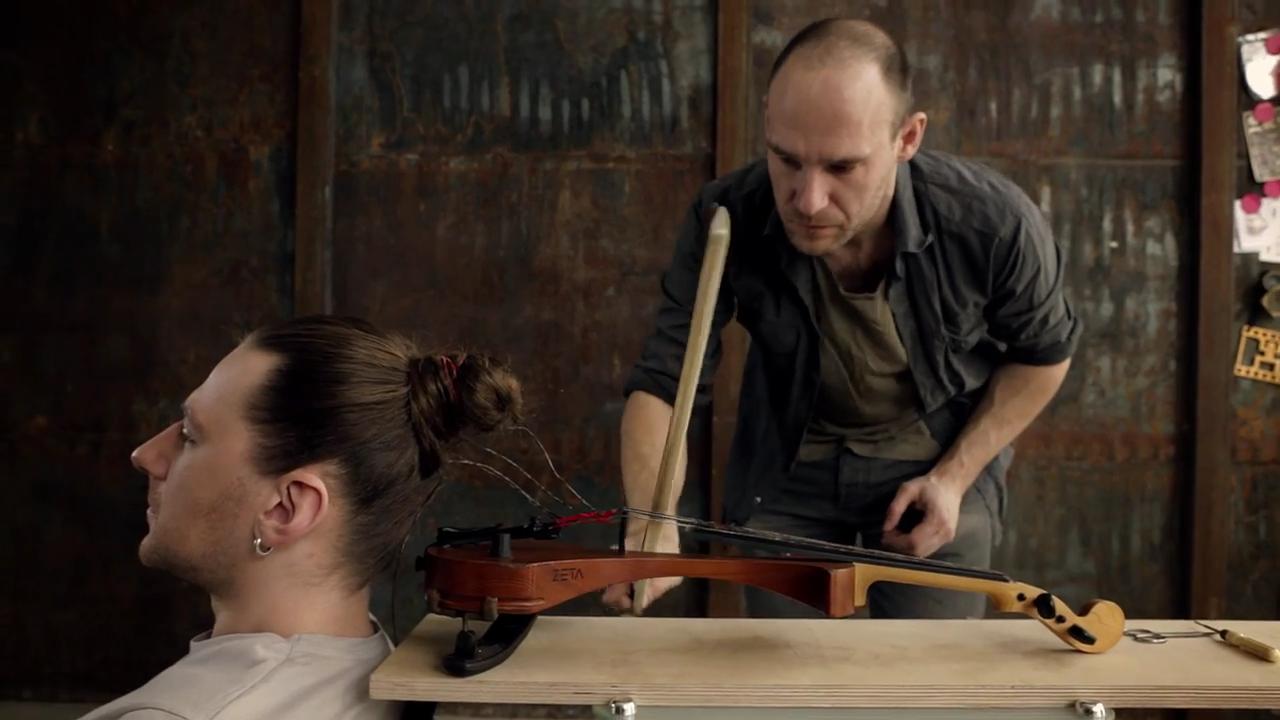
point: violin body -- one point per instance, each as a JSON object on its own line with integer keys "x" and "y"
{"x": 511, "y": 581}
{"x": 541, "y": 574}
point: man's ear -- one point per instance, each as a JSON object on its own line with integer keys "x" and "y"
{"x": 299, "y": 502}
{"x": 911, "y": 135}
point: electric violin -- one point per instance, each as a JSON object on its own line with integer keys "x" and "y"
{"x": 510, "y": 574}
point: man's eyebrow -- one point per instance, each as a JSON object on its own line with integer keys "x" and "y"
{"x": 191, "y": 416}
{"x": 780, "y": 151}
{"x": 851, "y": 160}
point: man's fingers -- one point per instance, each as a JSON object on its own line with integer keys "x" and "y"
{"x": 654, "y": 588}
{"x": 932, "y": 535}
{"x": 618, "y": 596}
{"x": 927, "y": 546}
{"x": 920, "y": 542}
{"x": 930, "y": 539}
{"x": 900, "y": 541}
{"x": 659, "y": 587}
{"x": 906, "y": 495}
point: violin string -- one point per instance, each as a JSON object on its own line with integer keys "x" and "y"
{"x": 547, "y": 456}
{"x": 800, "y": 542}
{"x": 431, "y": 495}
{"x": 498, "y": 473}
{"x": 404, "y": 543}
{"x": 542, "y": 488}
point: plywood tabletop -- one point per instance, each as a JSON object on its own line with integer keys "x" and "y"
{"x": 706, "y": 662}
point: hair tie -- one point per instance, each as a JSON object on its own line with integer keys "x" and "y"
{"x": 449, "y": 369}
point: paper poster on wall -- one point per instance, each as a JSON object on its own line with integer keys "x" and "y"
{"x": 1257, "y": 222}
{"x": 1270, "y": 254}
{"x": 1262, "y": 139}
{"x": 1260, "y": 60}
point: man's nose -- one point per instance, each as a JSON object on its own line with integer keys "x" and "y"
{"x": 153, "y": 456}
{"x": 811, "y": 193}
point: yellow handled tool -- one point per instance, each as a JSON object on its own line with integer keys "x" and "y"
{"x": 1246, "y": 643}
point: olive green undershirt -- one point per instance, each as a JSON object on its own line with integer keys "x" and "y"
{"x": 867, "y": 397}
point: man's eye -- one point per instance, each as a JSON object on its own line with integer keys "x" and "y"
{"x": 186, "y": 436}
{"x": 840, "y": 168}
{"x": 791, "y": 163}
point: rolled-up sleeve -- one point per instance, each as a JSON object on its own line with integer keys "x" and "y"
{"x": 658, "y": 369}
{"x": 1029, "y": 311}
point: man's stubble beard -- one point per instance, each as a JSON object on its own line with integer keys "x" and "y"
{"x": 208, "y": 560}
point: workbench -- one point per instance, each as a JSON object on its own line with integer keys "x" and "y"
{"x": 851, "y": 668}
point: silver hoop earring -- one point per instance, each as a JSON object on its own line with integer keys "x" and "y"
{"x": 257, "y": 547}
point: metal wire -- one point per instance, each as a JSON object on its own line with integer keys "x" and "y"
{"x": 795, "y": 541}
{"x": 498, "y": 473}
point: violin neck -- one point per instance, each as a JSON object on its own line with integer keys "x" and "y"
{"x": 1003, "y": 592}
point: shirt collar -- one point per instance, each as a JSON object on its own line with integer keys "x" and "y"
{"x": 904, "y": 215}
{"x": 773, "y": 226}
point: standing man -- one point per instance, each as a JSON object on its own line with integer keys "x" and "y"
{"x": 907, "y": 322}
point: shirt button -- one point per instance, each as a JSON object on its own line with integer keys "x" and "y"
{"x": 757, "y": 499}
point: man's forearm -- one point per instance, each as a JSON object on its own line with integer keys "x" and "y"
{"x": 1015, "y": 396}
{"x": 645, "y": 422}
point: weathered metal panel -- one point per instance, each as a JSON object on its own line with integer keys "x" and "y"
{"x": 147, "y": 223}
{"x": 1253, "y": 565}
{"x": 510, "y": 178}
{"x": 548, "y": 264}
{"x": 609, "y": 77}
{"x": 1019, "y": 78}
{"x": 1095, "y": 488}
{"x": 1082, "y": 105}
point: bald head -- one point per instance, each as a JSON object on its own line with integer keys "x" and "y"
{"x": 836, "y": 40}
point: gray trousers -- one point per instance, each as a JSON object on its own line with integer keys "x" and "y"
{"x": 844, "y": 500}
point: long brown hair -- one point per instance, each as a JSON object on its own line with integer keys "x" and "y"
{"x": 381, "y": 411}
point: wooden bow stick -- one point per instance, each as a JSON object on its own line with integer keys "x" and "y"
{"x": 704, "y": 307}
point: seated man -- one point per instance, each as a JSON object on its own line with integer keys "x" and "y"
{"x": 290, "y": 483}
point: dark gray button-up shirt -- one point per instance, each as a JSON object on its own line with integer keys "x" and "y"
{"x": 976, "y": 282}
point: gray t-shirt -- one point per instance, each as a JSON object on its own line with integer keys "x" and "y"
{"x": 262, "y": 675}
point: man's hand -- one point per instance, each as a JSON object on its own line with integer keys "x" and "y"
{"x": 1014, "y": 396}
{"x": 939, "y": 501}
{"x": 619, "y": 596}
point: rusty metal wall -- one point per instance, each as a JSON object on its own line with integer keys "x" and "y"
{"x": 1253, "y": 561}
{"x": 146, "y": 215}
{"x": 1081, "y": 104}
{"x": 510, "y": 176}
